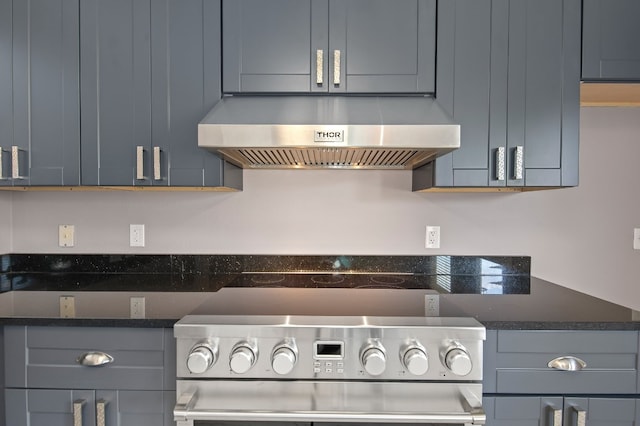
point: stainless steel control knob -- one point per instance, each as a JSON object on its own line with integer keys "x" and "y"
{"x": 374, "y": 361}
{"x": 458, "y": 361}
{"x": 242, "y": 359}
{"x": 415, "y": 360}
{"x": 283, "y": 360}
{"x": 201, "y": 358}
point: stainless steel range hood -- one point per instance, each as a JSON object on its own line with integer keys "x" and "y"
{"x": 321, "y": 132}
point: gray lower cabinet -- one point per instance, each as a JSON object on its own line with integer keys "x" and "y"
{"x": 150, "y": 72}
{"x": 354, "y": 46}
{"x": 558, "y": 411}
{"x": 47, "y": 407}
{"x": 610, "y": 49}
{"x": 39, "y": 93}
{"x": 47, "y": 384}
{"x": 521, "y": 389}
{"x": 509, "y": 73}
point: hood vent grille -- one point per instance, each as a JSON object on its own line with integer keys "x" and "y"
{"x": 323, "y": 158}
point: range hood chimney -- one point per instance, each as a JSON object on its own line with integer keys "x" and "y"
{"x": 328, "y": 132}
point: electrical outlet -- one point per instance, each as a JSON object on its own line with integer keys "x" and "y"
{"x": 137, "y": 307}
{"x": 636, "y": 239}
{"x": 433, "y": 237}
{"x": 67, "y": 307}
{"x": 66, "y": 235}
{"x": 432, "y": 305}
{"x": 136, "y": 235}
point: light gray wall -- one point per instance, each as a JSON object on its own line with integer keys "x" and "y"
{"x": 578, "y": 237}
{"x": 5, "y": 222}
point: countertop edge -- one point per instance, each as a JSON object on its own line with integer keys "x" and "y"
{"x": 557, "y": 325}
{"x": 89, "y": 322}
{"x": 169, "y": 322}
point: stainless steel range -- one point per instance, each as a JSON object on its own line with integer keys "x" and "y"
{"x": 332, "y": 370}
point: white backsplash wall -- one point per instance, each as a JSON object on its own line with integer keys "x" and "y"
{"x": 578, "y": 237}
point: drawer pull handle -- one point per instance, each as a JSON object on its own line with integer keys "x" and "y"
{"x": 94, "y": 359}
{"x": 567, "y": 363}
{"x": 77, "y": 412}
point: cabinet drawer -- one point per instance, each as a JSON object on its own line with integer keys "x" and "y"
{"x": 519, "y": 364}
{"x": 46, "y": 357}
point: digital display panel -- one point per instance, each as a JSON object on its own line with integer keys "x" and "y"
{"x": 332, "y": 350}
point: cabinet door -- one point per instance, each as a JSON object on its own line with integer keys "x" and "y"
{"x": 6, "y": 90}
{"x": 610, "y": 49}
{"x": 40, "y": 407}
{"x": 523, "y": 411}
{"x": 185, "y": 54}
{"x": 356, "y": 46}
{"x": 271, "y": 46}
{"x": 471, "y": 70}
{"x": 543, "y": 92}
{"x": 384, "y": 47}
{"x": 116, "y": 91}
{"x": 136, "y": 408}
{"x": 601, "y": 411}
{"x": 508, "y": 72}
{"x": 39, "y": 76}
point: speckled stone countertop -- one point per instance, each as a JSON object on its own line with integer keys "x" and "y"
{"x": 498, "y": 291}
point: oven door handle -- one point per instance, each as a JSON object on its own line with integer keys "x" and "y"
{"x": 476, "y": 417}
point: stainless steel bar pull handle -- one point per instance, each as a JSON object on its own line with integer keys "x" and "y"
{"x": 500, "y": 163}
{"x": 519, "y": 163}
{"x": 336, "y": 67}
{"x": 1, "y": 168}
{"x": 319, "y": 66}
{"x": 94, "y": 359}
{"x": 157, "y": 175}
{"x": 77, "y": 412}
{"x": 581, "y": 416}
{"x": 557, "y": 416}
{"x": 101, "y": 413}
{"x": 567, "y": 363}
{"x": 139, "y": 162}
{"x": 15, "y": 162}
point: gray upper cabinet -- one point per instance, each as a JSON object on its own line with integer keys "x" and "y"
{"x": 509, "y": 73}
{"x": 610, "y": 48}
{"x": 150, "y": 72}
{"x": 353, "y": 46}
{"x": 39, "y": 94}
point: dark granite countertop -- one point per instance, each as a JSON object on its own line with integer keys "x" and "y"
{"x": 498, "y": 291}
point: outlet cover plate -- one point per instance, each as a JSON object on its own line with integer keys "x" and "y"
{"x": 136, "y": 235}
{"x": 432, "y": 239}
{"x": 66, "y": 235}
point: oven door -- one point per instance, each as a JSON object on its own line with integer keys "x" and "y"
{"x": 249, "y": 402}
